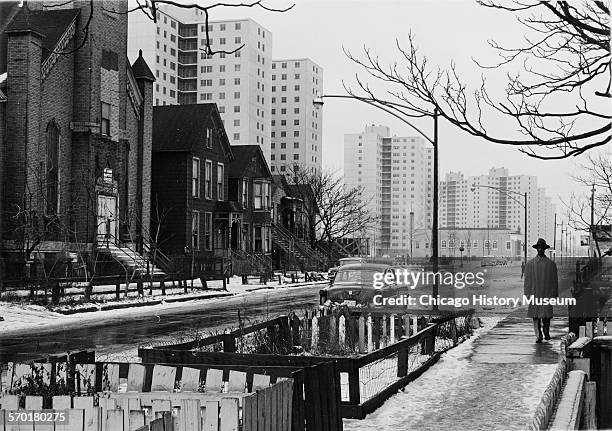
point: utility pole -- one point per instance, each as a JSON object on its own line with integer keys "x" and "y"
{"x": 434, "y": 230}
{"x": 525, "y": 246}
{"x": 555, "y": 238}
{"x": 561, "y": 248}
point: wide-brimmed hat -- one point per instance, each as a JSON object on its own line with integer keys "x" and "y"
{"x": 541, "y": 244}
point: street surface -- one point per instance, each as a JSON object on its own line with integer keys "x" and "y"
{"x": 121, "y": 334}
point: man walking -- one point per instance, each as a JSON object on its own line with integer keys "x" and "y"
{"x": 541, "y": 281}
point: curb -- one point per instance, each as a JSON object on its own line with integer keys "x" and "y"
{"x": 141, "y": 304}
{"x": 288, "y": 285}
{"x": 119, "y": 306}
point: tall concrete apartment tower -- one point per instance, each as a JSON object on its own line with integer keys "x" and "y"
{"x": 296, "y": 123}
{"x": 396, "y": 174}
{"x": 240, "y": 83}
{"x": 487, "y": 207}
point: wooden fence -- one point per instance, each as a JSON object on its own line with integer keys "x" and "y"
{"x": 208, "y": 398}
{"x": 394, "y": 354}
{"x": 338, "y": 333}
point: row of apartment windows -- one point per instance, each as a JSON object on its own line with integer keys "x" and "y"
{"x": 283, "y": 145}
{"x": 296, "y": 64}
{"x": 296, "y": 99}
{"x": 284, "y": 65}
{"x": 296, "y": 122}
{"x": 283, "y": 111}
{"x": 283, "y": 134}
{"x": 284, "y": 157}
{"x": 284, "y": 88}
{"x": 284, "y": 77}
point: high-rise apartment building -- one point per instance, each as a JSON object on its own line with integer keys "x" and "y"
{"x": 296, "y": 123}
{"x": 396, "y": 174}
{"x": 239, "y": 82}
{"x": 496, "y": 201}
{"x": 264, "y": 102}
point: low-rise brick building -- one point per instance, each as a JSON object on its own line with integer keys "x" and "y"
{"x": 75, "y": 141}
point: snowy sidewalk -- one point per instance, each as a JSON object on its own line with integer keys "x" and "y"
{"x": 493, "y": 381}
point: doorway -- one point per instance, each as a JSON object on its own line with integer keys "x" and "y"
{"x": 107, "y": 219}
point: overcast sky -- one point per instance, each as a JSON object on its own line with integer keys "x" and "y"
{"x": 445, "y": 30}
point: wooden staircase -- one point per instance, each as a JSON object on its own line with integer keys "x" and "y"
{"x": 293, "y": 246}
{"x": 134, "y": 263}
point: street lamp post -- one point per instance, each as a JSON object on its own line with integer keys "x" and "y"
{"x": 473, "y": 188}
{"x": 401, "y": 112}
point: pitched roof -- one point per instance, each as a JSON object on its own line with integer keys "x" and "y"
{"x": 180, "y": 127}
{"x": 50, "y": 25}
{"x": 140, "y": 68}
{"x": 244, "y": 155}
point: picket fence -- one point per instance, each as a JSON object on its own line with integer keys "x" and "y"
{"x": 211, "y": 404}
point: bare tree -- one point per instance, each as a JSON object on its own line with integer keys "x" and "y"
{"x": 151, "y": 9}
{"x": 333, "y": 210}
{"x": 560, "y": 105}
{"x": 597, "y": 173}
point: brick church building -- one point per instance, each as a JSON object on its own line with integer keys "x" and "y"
{"x": 75, "y": 135}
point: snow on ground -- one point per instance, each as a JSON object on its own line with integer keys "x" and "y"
{"x": 22, "y": 317}
{"x": 416, "y": 398}
{"x": 460, "y": 394}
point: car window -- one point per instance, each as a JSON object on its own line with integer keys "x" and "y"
{"x": 356, "y": 276}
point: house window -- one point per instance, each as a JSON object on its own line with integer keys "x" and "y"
{"x": 52, "y": 168}
{"x": 208, "y": 179}
{"x": 208, "y": 231}
{"x": 106, "y": 119}
{"x": 208, "y": 138}
{"x": 220, "y": 181}
{"x": 258, "y": 196}
{"x": 443, "y": 244}
{"x": 245, "y": 193}
{"x": 508, "y": 245}
{"x": 195, "y": 177}
{"x": 494, "y": 245}
{"x": 475, "y": 244}
{"x": 195, "y": 230}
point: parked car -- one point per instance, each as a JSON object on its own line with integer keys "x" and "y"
{"x": 353, "y": 285}
{"x": 331, "y": 273}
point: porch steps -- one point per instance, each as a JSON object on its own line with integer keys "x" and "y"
{"x": 134, "y": 262}
{"x": 294, "y": 246}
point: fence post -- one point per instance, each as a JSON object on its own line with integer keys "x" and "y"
{"x": 117, "y": 290}
{"x": 589, "y": 418}
{"x": 406, "y": 325}
{"x": 342, "y": 332}
{"x": 402, "y": 362}
{"x": 362, "y": 346}
{"x": 354, "y": 396}
{"x": 392, "y": 329}
{"x": 315, "y": 332}
{"x": 383, "y": 335}
{"x": 333, "y": 332}
{"x": 229, "y": 343}
{"x": 370, "y": 344}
